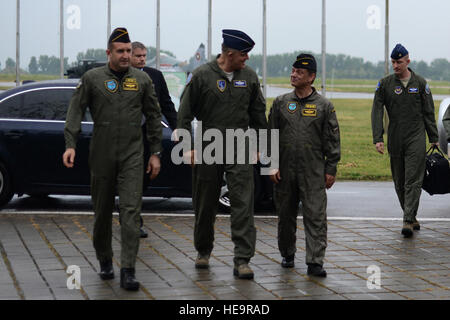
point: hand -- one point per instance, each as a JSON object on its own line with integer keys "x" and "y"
{"x": 69, "y": 157}
{"x": 329, "y": 180}
{"x": 189, "y": 157}
{"x": 154, "y": 166}
{"x": 275, "y": 176}
{"x": 380, "y": 147}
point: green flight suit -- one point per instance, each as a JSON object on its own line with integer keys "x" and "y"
{"x": 309, "y": 148}
{"x": 411, "y": 114}
{"x": 222, "y": 104}
{"x": 446, "y": 123}
{"x": 116, "y": 150}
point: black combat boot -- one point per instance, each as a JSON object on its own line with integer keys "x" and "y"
{"x": 288, "y": 262}
{"x": 316, "y": 270}
{"x": 106, "y": 270}
{"x": 127, "y": 279}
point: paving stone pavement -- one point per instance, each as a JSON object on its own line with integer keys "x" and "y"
{"x": 37, "y": 250}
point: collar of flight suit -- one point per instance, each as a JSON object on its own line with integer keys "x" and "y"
{"x": 215, "y": 67}
{"x": 413, "y": 76}
{"x": 109, "y": 72}
{"x": 312, "y": 96}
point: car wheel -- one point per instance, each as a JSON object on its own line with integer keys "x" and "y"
{"x": 5, "y": 186}
{"x": 224, "y": 198}
{"x": 38, "y": 195}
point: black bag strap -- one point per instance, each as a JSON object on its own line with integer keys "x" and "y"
{"x": 433, "y": 148}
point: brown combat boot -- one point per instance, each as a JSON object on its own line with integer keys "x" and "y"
{"x": 243, "y": 271}
{"x": 407, "y": 230}
{"x": 202, "y": 261}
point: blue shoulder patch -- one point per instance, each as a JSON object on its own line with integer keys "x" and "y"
{"x": 378, "y": 86}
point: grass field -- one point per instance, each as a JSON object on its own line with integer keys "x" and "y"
{"x": 36, "y": 77}
{"x": 359, "y": 160}
{"x": 357, "y": 85}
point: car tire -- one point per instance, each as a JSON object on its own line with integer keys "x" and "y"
{"x": 6, "y": 192}
{"x": 38, "y": 195}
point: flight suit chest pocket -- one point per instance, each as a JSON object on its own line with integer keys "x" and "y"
{"x": 309, "y": 113}
{"x": 240, "y": 91}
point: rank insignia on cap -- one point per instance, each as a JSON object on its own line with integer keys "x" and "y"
{"x": 130, "y": 84}
{"x": 292, "y": 107}
{"x": 111, "y": 85}
{"x": 119, "y": 35}
{"x": 427, "y": 89}
{"x": 398, "y": 90}
{"x": 413, "y": 90}
{"x": 221, "y": 85}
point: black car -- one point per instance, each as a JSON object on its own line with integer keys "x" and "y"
{"x": 32, "y": 119}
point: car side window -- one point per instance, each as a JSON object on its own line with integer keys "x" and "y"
{"x": 47, "y": 104}
{"x": 42, "y": 104}
{"x": 10, "y": 108}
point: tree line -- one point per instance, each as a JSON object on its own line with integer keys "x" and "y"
{"x": 338, "y": 66}
{"x": 50, "y": 65}
{"x": 341, "y": 66}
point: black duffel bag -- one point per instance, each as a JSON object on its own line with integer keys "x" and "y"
{"x": 437, "y": 172}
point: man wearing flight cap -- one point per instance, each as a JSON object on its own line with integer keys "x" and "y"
{"x": 224, "y": 94}
{"x": 410, "y": 107}
{"x": 309, "y": 146}
{"x": 117, "y": 95}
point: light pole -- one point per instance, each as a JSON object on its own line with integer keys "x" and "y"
{"x": 209, "y": 28}
{"x": 264, "y": 61}
{"x": 324, "y": 27}
{"x": 61, "y": 39}
{"x": 17, "y": 42}
{"x": 386, "y": 41}
{"x": 108, "y": 24}
{"x": 158, "y": 35}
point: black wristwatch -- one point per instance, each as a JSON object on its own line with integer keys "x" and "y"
{"x": 157, "y": 154}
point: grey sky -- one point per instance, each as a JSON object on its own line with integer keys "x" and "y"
{"x": 422, "y": 26}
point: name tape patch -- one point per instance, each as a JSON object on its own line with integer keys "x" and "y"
{"x": 130, "y": 84}
{"x": 309, "y": 112}
{"x": 240, "y": 83}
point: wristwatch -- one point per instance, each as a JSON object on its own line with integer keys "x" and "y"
{"x": 157, "y": 154}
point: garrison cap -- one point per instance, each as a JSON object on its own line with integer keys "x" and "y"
{"x": 305, "y": 61}
{"x": 399, "y": 52}
{"x": 119, "y": 35}
{"x": 237, "y": 40}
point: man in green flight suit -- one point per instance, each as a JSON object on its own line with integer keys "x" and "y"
{"x": 224, "y": 94}
{"x": 118, "y": 96}
{"x": 410, "y": 107}
{"x": 446, "y": 123}
{"x": 309, "y": 146}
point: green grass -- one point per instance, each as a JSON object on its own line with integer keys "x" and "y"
{"x": 356, "y": 85}
{"x": 37, "y": 77}
{"x": 359, "y": 159}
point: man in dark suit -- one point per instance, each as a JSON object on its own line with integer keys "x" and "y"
{"x": 138, "y": 58}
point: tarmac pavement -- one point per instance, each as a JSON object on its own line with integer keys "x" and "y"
{"x": 365, "y": 259}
